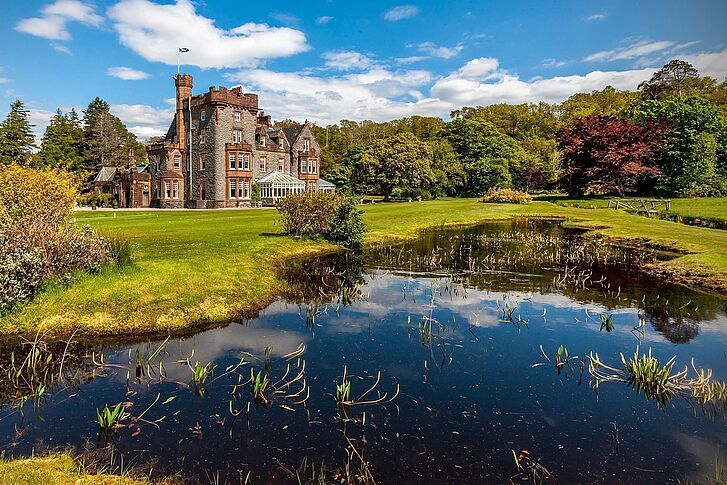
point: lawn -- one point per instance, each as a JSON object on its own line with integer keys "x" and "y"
{"x": 199, "y": 267}
{"x": 56, "y": 469}
{"x": 701, "y": 207}
{"x": 712, "y": 208}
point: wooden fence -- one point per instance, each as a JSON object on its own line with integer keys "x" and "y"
{"x": 640, "y": 206}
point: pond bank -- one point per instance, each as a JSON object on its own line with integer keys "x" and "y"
{"x": 460, "y": 332}
{"x": 196, "y": 269}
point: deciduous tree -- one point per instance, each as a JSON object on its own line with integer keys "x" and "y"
{"x": 400, "y": 161}
{"x": 690, "y": 159}
{"x": 490, "y": 158}
{"x": 605, "y": 154}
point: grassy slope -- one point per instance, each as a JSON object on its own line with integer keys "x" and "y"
{"x": 210, "y": 266}
{"x": 713, "y": 208}
{"x": 59, "y": 469}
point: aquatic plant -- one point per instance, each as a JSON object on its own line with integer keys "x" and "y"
{"x": 33, "y": 371}
{"x": 528, "y": 468}
{"x": 561, "y": 357}
{"x": 109, "y": 419}
{"x": 645, "y": 373}
{"x": 607, "y": 323}
{"x": 343, "y": 390}
{"x": 260, "y": 383}
{"x": 345, "y": 402}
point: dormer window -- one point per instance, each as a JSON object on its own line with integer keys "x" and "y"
{"x": 306, "y": 144}
{"x": 177, "y": 162}
{"x": 202, "y": 115}
{"x": 262, "y": 140}
{"x": 282, "y": 143}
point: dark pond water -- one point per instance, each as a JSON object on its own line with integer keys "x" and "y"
{"x": 458, "y": 321}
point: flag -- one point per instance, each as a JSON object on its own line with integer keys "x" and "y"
{"x": 183, "y": 49}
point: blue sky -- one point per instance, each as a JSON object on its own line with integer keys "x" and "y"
{"x": 333, "y": 59}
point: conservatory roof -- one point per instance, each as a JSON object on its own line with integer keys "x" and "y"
{"x": 325, "y": 183}
{"x": 280, "y": 178}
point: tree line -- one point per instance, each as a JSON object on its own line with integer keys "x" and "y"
{"x": 669, "y": 137}
{"x": 79, "y": 145}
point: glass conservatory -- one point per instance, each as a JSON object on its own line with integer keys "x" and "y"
{"x": 276, "y": 185}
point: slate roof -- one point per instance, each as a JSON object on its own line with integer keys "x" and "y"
{"x": 105, "y": 174}
{"x": 292, "y": 133}
{"x": 325, "y": 183}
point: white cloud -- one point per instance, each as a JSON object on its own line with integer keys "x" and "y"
{"x": 553, "y": 63}
{"x": 635, "y": 50}
{"x": 61, "y": 48}
{"x": 383, "y": 94}
{"x": 155, "y": 32}
{"x": 323, "y": 20}
{"x": 285, "y": 18}
{"x": 374, "y": 94}
{"x": 347, "y": 60}
{"x": 596, "y": 16}
{"x": 411, "y": 59}
{"x": 713, "y": 64}
{"x": 127, "y": 73}
{"x": 439, "y": 51}
{"x": 145, "y": 132}
{"x": 54, "y": 18}
{"x": 401, "y": 12}
{"x": 40, "y": 119}
{"x": 478, "y": 69}
{"x": 143, "y": 120}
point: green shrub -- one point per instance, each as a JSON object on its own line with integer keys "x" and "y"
{"x": 99, "y": 200}
{"x": 506, "y": 196}
{"x": 347, "y": 228}
{"x": 308, "y": 214}
{"x": 29, "y": 260}
{"x": 37, "y": 243}
{"x": 256, "y": 194}
{"x": 322, "y": 214}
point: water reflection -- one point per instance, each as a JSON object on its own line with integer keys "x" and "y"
{"x": 458, "y": 322}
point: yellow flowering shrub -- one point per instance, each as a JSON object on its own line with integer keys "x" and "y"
{"x": 35, "y": 198}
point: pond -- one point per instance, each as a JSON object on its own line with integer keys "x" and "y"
{"x": 453, "y": 373}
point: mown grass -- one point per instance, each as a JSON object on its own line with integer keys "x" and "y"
{"x": 200, "y": 267}
{"x": 702, "y": 207}
{"x": 712, "y": 208}
{"x": 56, "y": 469}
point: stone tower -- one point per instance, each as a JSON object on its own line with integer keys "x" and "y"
{"x": 183, "y": 82}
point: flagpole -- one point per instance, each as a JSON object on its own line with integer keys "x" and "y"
{"x": 179, "y": 55}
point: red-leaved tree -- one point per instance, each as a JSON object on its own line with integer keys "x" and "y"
{"x": 605, "y": 154}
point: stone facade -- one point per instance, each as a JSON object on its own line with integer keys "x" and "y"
{"x": 219, "y": 144}
{"x": 130, "y": 185}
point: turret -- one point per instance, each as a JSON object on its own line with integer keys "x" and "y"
{"x": 183, "y": 82}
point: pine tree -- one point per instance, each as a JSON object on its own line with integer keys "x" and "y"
{"x": 62, "y": 143}
{"x": 106, "y": 140}
{"x": 16, "y": 136}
